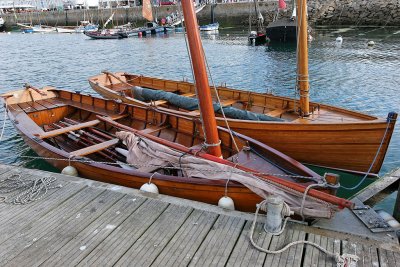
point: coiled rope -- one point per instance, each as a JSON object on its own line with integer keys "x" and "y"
{"x": 26, "y": 190}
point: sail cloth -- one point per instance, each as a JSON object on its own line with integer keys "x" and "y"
{"x": 148, "y": 156}
{"x": 144, "y": 94}
{"x": 147, "y": 13}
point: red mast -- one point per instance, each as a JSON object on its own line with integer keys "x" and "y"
{"x": 200, "y": 75}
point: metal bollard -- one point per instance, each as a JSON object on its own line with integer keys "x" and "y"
{"x": 273, "y": 223}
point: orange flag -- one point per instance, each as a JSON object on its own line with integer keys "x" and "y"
{"x": 146, "y": 11}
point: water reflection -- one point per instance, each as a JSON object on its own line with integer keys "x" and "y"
{"x": 281, "y": 47}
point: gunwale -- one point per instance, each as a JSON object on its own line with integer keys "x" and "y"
{"x": 320, "y": 134}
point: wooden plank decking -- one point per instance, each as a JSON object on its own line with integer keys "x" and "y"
{"x": 87, "y": 223}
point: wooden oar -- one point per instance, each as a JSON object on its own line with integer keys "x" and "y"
{"x": 97, "y": 139}
{"x": 87, "y": 143}
{"x": 116, "y": 77}
{"x": 279, "y": 181}
{"x": 37, "y": 90}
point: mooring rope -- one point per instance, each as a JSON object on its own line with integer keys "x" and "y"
{"x": 27, "y": 190}
{"x": 373, "y": 161}
{"x": 341, "y": 260}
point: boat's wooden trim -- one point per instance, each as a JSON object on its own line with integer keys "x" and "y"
{"x": 94, "y": 148}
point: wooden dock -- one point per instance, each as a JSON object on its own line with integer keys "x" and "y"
{"x": 89, "y": 223}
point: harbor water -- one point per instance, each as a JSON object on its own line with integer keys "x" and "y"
{"x": 351, "y": 75}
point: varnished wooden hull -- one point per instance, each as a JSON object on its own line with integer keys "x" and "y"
{"x": 209, "y": 191}
{"x": 194, "y": 189}
{"x": 330, "y": 137}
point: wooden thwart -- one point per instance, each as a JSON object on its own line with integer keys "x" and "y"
{"x": 77, "y": 127}
{"x": 224, "y": 103}
{"x": 228, "y": 102}
{"x": 153, "y": 130}
{"x": 95, "y": 148}
{"x": 69, "y": 129}
{"x": 276, "y": 112}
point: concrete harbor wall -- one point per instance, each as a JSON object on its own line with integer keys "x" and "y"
{"x": 321, "y": 12}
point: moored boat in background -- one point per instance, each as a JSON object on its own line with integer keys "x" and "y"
{"x": 210, "y": 27}
{"x": 66, "y": 29}
{"x": 283, "y": 29}
{"x": 213, "y": 26}
{"x": 106, "y": 34}
{"x": 257, "y": 37}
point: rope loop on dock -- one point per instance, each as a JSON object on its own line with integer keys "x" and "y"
{"x": 344, "y": 260}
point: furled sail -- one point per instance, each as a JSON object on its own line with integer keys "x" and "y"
{"x": 144, "y": 94}
{"x": 147, "y": 13}
{"x": 149, "y": 156}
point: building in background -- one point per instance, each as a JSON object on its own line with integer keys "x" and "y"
{"x": 10, "y": 6}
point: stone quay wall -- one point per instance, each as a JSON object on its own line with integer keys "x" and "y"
{"x": 321, "y": 12}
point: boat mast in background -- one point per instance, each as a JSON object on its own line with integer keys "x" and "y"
{"x": 200, "y": 76}
{"x": 302, "y": 59}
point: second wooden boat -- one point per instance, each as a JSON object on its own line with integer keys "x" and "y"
{"x": 330, "y": 136}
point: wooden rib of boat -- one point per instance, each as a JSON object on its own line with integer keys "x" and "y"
{"x": 330, "y": 136}
{"x": 59, "y": 125}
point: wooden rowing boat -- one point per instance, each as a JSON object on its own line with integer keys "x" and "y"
{"x": 46, "y": 119}
{"x": 330, "y": 136}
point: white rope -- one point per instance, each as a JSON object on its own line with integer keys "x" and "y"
{"x": 4, "y": 122}
{"x": 305, "y": 195}
{"x": 28, "y": 190}
{"x": 219, "y": 102}
{"x": 373, "y": 161}
{"x": 341, "y": 260}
